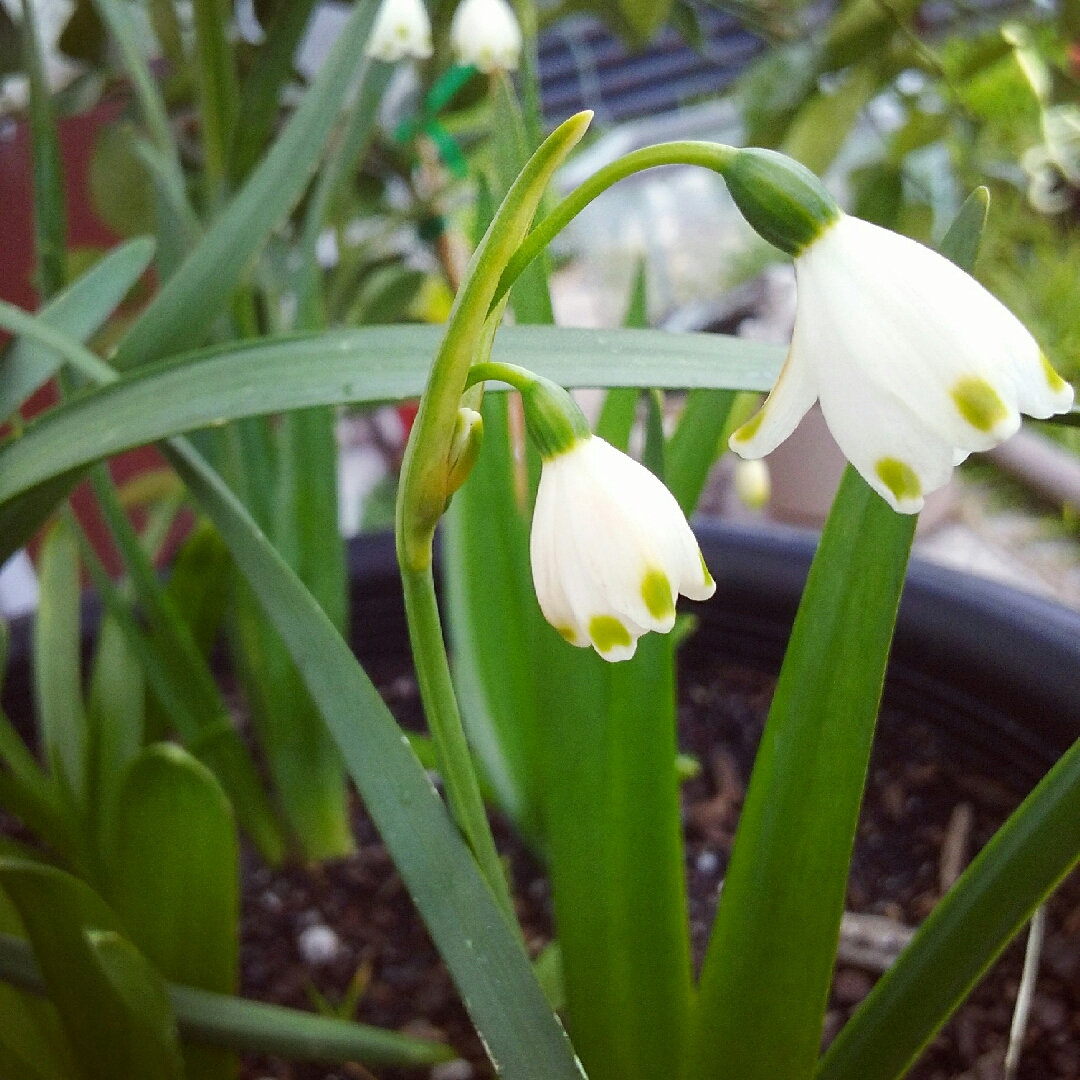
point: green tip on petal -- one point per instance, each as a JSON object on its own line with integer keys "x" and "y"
{"x": 900, "y": 479}
{"x": 656, "y": 592}
{"x": 567, "y": 633}
{"x": 750, "y": 428}
{"x": 705, "y": 570}
{"x": 1053, "y": 379}
{"x": 979, "y": 403}
{"x": 608, "y": 633}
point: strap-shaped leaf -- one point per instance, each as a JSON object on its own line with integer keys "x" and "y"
{"x": 80, "y": 310}
{"x": 372, "y": 364}
{"x": 180, "y": 315}
{"x": 57, "y": 680}
{"x": 174, "y": 878}
{"x": 483, "y": 954}
{"x": 767, "y": 972}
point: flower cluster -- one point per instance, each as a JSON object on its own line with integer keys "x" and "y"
{"x": 484, "y": 33}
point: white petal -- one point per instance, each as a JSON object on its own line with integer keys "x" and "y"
{"x": 402, "y": 28}
{"x": 791, "y": 397}
{"x": 549, "y": 588}
{"x": 486, "y": 34}
{"x": 610, "y": 550}
{"x": 898, "y": 455}
{"x": 919, "y": 326}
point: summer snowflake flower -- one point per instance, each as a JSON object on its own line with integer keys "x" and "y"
{"x": 915, "y": 364}
{"x": 402, "y": 28}
{"x": 486, "y": 34}
{"x": 610, "y": 549}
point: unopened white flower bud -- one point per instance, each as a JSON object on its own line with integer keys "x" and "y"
{"x": 464, "y": 447}
{"x": 752, "y": 483}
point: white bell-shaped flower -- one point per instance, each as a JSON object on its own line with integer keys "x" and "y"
{"x": 486, "y": 34}
{"x": 611, "y": 549}
{"x": 402, "y": 28}
{"x": 914, "y": 362}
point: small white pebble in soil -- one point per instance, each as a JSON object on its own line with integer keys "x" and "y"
{"x": 708, "y": 862}
{"x": 452, "y": 1070}
{"x": 271, "y": 901}
{"x": 318, "y": 945}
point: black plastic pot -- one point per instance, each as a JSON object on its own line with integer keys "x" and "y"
{"x": 996, "y": 669}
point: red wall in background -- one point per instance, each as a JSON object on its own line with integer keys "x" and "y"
{"x": 85, "y": 229}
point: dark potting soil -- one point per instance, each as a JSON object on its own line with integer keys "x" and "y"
{"x": 924, "y": 817}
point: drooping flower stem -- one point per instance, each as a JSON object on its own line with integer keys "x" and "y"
{"x": 714, "y": 156}
{"x": 782, "y": 200}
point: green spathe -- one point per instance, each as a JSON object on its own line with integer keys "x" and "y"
{"x": 784, "y": 202}
{"x": 552, "y": 417}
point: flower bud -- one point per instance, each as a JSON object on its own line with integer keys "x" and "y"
{"x": 464, "y": 448}
{"x": 752, "y": 483}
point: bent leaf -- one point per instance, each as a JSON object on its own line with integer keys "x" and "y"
{"x": 483, "y": 955}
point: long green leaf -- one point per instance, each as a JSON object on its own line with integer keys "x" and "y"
{"x": 617, "y": 415}
{"x": 174, "y": 879}
{"x": 1016, "y": 872}
{"x": 766, "y": 975}
{"x": 107, "y": 1038}
{"x": 145, "y": 997}
{"x": 115, "y": 712}
{"x": 308, "y": 774}
{"x": 530, "y": 299}
{"x": 181, "y": 314}
{"x": 695, "y": 445}
{"x": 372, "y": 364}
{"x": 336, "y": 171}
{"x": 261, "y": 93}
{"x": 57, "y": 661}
{"x": 765, "y": 982}
{"x": 236, "y": 1024}
{"x": 306, "y": 766}
{"x": 217, "y": 88}
{"x": 79, "y": 311}
{"x": 611, "y": 811}
{"x": 483, "y": 954}
{"x": 50, "y": 212}
{"x": 492, "y": 617}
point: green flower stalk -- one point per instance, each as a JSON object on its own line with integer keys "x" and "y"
{"x": 441, "y": 449}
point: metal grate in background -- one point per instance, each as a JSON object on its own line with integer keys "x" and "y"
{"x": 584, "y": 66}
